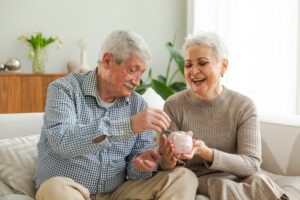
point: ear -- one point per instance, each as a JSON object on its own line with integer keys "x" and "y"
{"x": 189, "y": 133}
{"x": 224, "y": 66}
{"x": 106, "y": 60}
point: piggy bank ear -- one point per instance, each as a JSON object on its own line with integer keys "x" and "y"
{"x": 172, "y": 136}
{"x": 189, "y": 133}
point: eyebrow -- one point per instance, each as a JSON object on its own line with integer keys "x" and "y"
{"x": 198, "y": 59}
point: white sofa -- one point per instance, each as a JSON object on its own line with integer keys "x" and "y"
{"x": 19, "y": 134}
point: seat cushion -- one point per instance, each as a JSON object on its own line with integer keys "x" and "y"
{"x": 4, "y": 189}
{"x": 18, "y": 157}
{"x": 201, "y": 197}
{"x": 16, "y": 197}
{"x": 285, "y": 180}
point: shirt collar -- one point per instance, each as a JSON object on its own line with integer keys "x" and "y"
{"x": 89, "y": 87}
{"x": 89, "y": 84}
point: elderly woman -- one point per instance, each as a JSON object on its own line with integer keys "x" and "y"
{"x": 226, "y": 155}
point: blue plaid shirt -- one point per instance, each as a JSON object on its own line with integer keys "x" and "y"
{"x": 74, "y": 117}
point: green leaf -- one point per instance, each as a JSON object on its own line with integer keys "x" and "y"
{"x": 162, "y": 79}
{"x": 162, "y": 89}
{"x": 143, "y": 87}
{"x": 38, "y": 41}
{"x": 141, "y": 90}
{"x": 178, "y": 86}
{"x": 177, "y": 56}
{"x": 150, "y": 73}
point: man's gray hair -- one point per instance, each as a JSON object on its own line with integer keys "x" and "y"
{"x": 208, "y": 39}
{"x": 122, "y": 43}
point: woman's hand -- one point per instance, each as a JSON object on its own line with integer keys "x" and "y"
{"x": 147, "y": 161}
{"x": 200, "y": 149}
{"x": 167, "y": 150}
{"x": 185, "y": 156}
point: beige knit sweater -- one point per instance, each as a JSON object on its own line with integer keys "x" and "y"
{"x": 228, "y": 124}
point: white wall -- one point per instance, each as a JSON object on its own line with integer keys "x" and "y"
{"x": 91, "y": 20}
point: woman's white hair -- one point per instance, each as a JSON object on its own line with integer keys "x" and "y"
{"x": 122, "y": 43}
{"x": 208, "y": 39}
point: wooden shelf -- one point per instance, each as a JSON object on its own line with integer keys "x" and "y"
{"x": 21, "y": 93}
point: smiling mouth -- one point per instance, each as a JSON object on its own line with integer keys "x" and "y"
{"x": 129, "y": 86}
{"x": 198, "y": 81}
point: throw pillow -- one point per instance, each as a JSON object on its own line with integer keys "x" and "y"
{"x": 153, "y": 99}
{"x": 18, "y": 157}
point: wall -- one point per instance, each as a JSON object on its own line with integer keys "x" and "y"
{"x": 90, "y": 20}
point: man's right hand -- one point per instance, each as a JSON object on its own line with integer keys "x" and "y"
{"x": 150, "y": 118}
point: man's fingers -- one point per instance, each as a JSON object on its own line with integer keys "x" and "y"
{"x": 145, "y": 165}
{"x": 159, "y": 124}
{"x": 140, "y": 165}
{"x": 164, "y": 114}
{"x": 149, "y": 164}
{"x": 155, "y": 155}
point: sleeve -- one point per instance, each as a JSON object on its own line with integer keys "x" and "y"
{"x": 247, "y": 160}
{"x": 69, "y": 138}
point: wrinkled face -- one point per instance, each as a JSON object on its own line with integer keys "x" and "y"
{"x": 203, "y": 71}
{"x": 123, "y": 78}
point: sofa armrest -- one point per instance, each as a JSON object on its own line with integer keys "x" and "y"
{"x": 280, "y": 145}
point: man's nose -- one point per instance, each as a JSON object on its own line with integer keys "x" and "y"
{"x": 137, "y": 79}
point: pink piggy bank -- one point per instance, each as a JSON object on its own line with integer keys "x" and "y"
{"x": 182, "y": 141}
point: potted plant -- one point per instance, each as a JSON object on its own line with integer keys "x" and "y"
{"x": 165, "y": 85}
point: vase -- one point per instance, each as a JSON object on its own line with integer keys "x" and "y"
{"x": 38, "y": 57}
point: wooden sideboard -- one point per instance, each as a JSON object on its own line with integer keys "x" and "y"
{"x": 22, "y": 93}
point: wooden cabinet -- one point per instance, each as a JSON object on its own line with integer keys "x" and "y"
{"x": 21, "y": 93}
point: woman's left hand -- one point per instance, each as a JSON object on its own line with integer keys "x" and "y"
{"x": 185, "y": 156}
{"x": 202, "y": 150}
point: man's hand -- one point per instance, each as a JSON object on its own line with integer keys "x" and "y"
{"x": 167, "y": 151}
{"x": 149, "y": 118}
{"x": 147, "y": 161}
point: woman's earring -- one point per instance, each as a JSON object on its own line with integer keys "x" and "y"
{"x": 222, "y": 75}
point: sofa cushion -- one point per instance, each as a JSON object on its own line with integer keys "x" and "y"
{"x": 4, "y": 189}
{"x": 17, "y": 163}
{"x": 284, "y": 180}
{"x": 16, "y": 197}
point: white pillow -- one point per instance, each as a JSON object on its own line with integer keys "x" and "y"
{"x": 18, "y": 157}
{"x": 153, "y": 99}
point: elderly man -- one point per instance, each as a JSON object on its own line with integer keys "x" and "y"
{"x": 96, "y": 141}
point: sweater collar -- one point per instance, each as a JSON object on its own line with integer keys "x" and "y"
{"x": 208, "y": 103}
